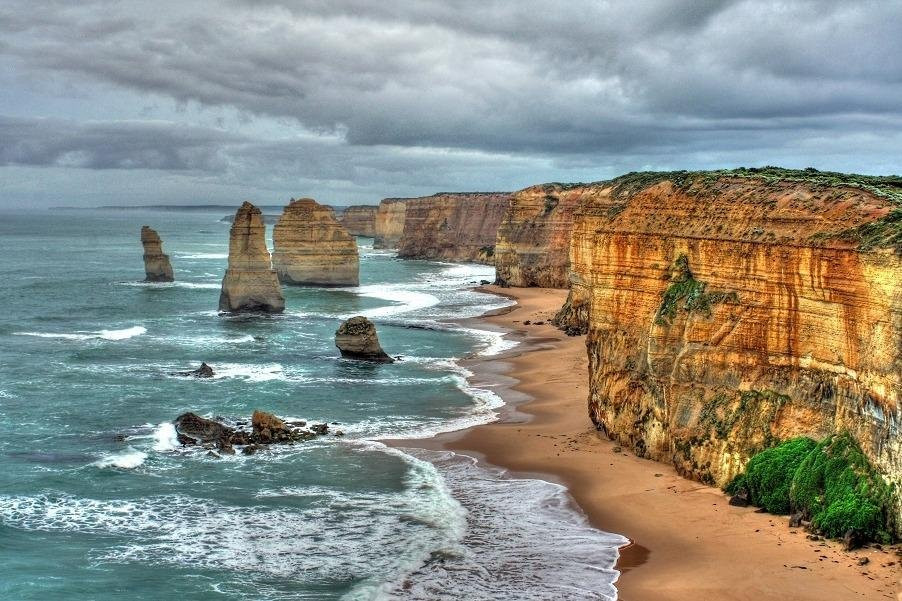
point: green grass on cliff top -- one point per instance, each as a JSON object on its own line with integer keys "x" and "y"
{"x": 882, "y": 233}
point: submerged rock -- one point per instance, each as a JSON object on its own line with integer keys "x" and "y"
{"x": 356, "y": 339}
{"x": 250, "y": 283}
{"x": 156, "y": 265}
{"x": 310, "y": 247}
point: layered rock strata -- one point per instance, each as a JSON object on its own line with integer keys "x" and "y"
{"x": 311, "y": 248}
{"x": 250, "y": 283}
{"x": 728, "y": 311}
{"x": 389, "y": 223}
{"x": 356, "y": 338}
{"x": 360, "y": 220}
{"x": 453, "y": 227}
{"x": 533, "y": 242}
{"x": 156, "y": 265}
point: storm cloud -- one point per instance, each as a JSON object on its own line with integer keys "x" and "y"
{"x": 363, "y": 99}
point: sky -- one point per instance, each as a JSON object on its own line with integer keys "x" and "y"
{"x": 350, "y": 101}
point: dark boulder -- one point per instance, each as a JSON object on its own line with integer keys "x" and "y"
{"x": 356, "y": 339}
{"x": 740, "y": 499}
{"x": 201, "y": 429}
{"x": 204, "y": 371}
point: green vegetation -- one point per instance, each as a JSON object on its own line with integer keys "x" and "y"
{"x": 886, "y": 232}
{"x": 831, "y": 482}
{"x": 687, "y": 292}
{"x": 550, "y": 203}
{"x": 754, "y": 413}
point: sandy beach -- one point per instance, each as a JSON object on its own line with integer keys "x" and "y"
{"x": 688, "y": 543}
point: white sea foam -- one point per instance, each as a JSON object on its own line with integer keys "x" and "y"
{"x": 165, "y": 438}
{"x": 407, "y": 300}
{"x": 493, "y": 343}
{"x": 204, "y": 256}
{"x": 189, "y": 285}
{"x": 341, "y": 536}
{"x": 250, "y": 372}
{"x": 129, "y": 459}
{"x": 122, "y": 334}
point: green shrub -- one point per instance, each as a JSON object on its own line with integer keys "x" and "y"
{"x": 837, "y": 486}
{"x": 769, "y": 474}
{"x": 831, "y": 482}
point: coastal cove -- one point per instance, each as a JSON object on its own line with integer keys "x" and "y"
{"x": 688, "y": 543}
{"x": 93, "y": 373}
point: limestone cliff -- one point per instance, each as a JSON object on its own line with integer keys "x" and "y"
{"x": 453, "y": 227}
{"x": 729, "y": 310}
{"x": 156, "y": 265}
{"x": 533, "y": 243}
{"x": 360, "y": 220}
{"x": 250, "y": 283}
{"x": 389, "y": 225}
{"x": 310, "y": 247}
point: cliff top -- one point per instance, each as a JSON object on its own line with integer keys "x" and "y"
{"x": 766, "y": 204}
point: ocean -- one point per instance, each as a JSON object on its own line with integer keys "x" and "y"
{"x": 98, "y": 501}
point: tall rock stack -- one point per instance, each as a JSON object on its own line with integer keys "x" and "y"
{"x": 250, "y": 283}
{"x": 312, "y": 248}
{"x": 156, "y": 265}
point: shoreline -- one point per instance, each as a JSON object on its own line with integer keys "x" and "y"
{"x": 685, "y": 538}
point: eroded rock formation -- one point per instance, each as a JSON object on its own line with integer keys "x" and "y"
{"x": 360, "y": 220}
{"x": 250, "y": 283}
{"x": 356, "y": 339}
{"x": 312, "y": 248}
{"x": 727, "y": 311}
{"x": 533, "y": 244}
{"x": 453, "y": 227}
{"x": 389, "y": 225}
{"x": 156, "y": 265}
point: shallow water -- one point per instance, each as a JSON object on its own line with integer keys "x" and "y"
{"x": 86, "y": 353}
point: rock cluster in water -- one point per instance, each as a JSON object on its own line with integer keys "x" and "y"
{"x": 204, "y": 371}
{"x": 265, "y": 429}
{"x": 356, "y": 339}
{"x": 156, "y": 265}
{"x": 250, "y": 283}
{"x": 311, "y": 247}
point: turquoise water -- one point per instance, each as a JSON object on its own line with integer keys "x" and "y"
{"x": 98, "y": 502}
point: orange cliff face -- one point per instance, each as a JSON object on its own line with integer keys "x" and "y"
{"x": 389, "y": 223}
{"x": 533, "y": 243}
{"x": 360, "y": 220}
{"x": 726, "y": 313}
{"x": 453, "y": 227}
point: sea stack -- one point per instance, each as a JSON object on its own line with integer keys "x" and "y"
{"x": 310, "y": 247}
{"x": 156, "y": 265}
{"x": 250, "y": 283}
{"x": 356, "y": 339}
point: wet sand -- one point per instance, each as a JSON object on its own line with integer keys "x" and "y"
{"x": 688, "y": 543}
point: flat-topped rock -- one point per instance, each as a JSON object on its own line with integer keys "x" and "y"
{"x": 356, "y": 339}
{"x": 312, "y": 248}
{"x": 156, "y": 265}
{"x": 360, "y": 220}
{"x": 250, "y": 282}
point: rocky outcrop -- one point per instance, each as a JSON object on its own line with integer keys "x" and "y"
{"x": 389, "y": 224}
{"x": 156, "y": 265}
{"x": 730, "y": 310}
{"x": 266, "y": 429}
{"x": 360, "y": 220}
{"x": 533, "y": 244}
{"x": 204, "y": 371}
{"x": 356, "y": 339}
{"x": 453, "y": 227}
{"x": 312, "y": 248}
{"x": 250, "y": 283}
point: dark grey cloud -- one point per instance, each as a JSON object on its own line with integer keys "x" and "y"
{"x": 389, "y": 86}
{"x": 111, "y": 145}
